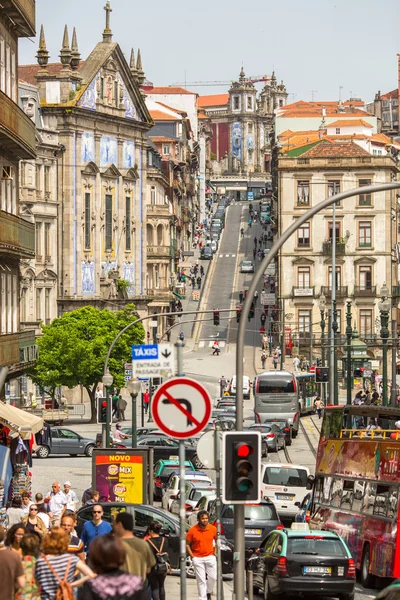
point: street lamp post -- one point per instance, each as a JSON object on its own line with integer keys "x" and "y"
{"x": 107, "y": 383}
{"x": 349, "y": 332}
{"x": 384, "y": 308}
{"x": 134, "y": 388}
{"x": 322, "y": 307}
{"x": 335, "y": 369}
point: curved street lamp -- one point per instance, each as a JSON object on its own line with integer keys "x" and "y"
{"x": 384, "y": 308}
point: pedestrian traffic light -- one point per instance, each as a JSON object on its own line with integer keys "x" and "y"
{"x": 238, "y": 313}
{"x": 216, "y": 317}
{"x": 102, "y": 406}
{"x": 241, "y": 466}
{"x": 252, "y": 311}
{"x": 322, "y": 374}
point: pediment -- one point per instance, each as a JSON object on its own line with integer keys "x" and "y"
{"x": 302, "y": 261}
{"x": 91, "y": 169}
{"x": 339, "y": 261}
{"x": 131, "y": 174}
{"x": 46, "y": 274}
{"x": 365, "y": 260}
{"x": 111, "y": 171}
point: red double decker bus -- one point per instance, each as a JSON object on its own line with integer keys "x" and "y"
{"x": 357, "y": 486}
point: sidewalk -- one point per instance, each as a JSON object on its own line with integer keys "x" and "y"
{"x": 173, "y": 589}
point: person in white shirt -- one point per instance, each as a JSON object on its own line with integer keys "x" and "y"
{"x": 26, "y": 502}
{"x": 118, "y": 435}
{"x": 72, "y": 498}
{"x": 42, "y": 509}
{"x": 296, "y": 363}
{"x": 57, "y": 503}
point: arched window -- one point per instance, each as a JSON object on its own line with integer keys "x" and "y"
{"x": 160, "y": 235}
{"x": 149, "y": 231}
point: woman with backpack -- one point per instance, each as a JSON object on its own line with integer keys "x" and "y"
{"x": 159, "y": 546}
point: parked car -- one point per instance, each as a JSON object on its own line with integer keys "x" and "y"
{"x": 285, "y": 486}
{"x": 194, "y": 490}
{"x": 226, "y": 403}
{"x": 247, "y": 266}
{"x": 300, "y": 561}
{"x": 259, "y": 520}
{"x": 164, "y": 448}
{"x": 206, "y": 253}
{"x": 66, "y": 441}
{"x": 171, "y": 488}
{"x": 272, "y": 434}
{"x": 246, "y": 386}
{"x": 162, "y": 470}
{"x": 205, "y": 503}
{"x": 285, "y": 426}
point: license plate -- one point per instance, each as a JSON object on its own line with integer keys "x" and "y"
{"x": 317, "y": 570}
{"x": 284, "y": 497}
{"x": 252, "y": 532}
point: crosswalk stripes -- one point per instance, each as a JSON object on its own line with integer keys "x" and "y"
{"x": 227, "y": 255}
{"x": 202, "y": 344}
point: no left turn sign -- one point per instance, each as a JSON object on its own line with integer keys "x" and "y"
{"x": 181, "y": 407}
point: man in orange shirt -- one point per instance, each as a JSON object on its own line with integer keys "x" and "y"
{"x": 201, "y": 546}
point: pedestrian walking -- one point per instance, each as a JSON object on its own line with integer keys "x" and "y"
{"x": 263, "y": 358}
{"x": 33, "y": 523}
{"x": 254, "y": 253}
{"x": 250, "y": 222}
{"x": 296, "y": 363}
{"x": 75, "y": 545}
{"x": 95, "y": 527}
{"x": 114, "y": 405}
{"x": 30, "y": 544}
{"x": 255, "y": 241}
{"x": 198, "y": 282}
{"x": 111, "y": 582}
{"x": 223, "y": 382}
{"x": 72, "y": 498}
{"x": 255, "y": 297}
{"x": 319, "y": 406}
{"x": 55, "y": 564}
{"x": 201, "y": 547}
{"x": 216, "y": 348}
{"x": 139, "y": 558}
{"x": 146, "y": 401}
{"x": 14, "y": 537}
{"x": 241, "y": 297}
{"x": 202, "y": 271}
{"x": 264, "y": 342}
{"x": 43, "y": 512}
{"x": 11, "y": 570}
{"x": 26, "y": 502}
{"x": 121, "y": 407}
{"x": 241, "y": 232}
{"x": 14, "y": 514}
{"x": 57, "y": 503}
{"x": 263, "y": 318}
{"x": 159, "y": 547}
{"x": 275, "y": 360}
{"x": 193, "y": 281}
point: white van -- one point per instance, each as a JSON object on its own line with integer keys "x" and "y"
{"x": 284, "y": 485}
{"x": 246, "y": 386}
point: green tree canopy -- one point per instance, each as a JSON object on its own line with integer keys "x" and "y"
{"x": 73, "y": 349}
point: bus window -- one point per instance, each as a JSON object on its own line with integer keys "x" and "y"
{"x": 318, "y": 489}
{"x": 336, "y": 492}
{"x": 347, "y": 495}
{"x": 369, "y": 498}
{"x": 392, "y": 505}
{"x": 331, "y": 424}
{"x": 381, "y": 500}
{"x": 359, "y": 487}
{"x": 327, "y": 489}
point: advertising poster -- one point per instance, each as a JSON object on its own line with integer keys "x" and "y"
{"x": 120, "y": 476}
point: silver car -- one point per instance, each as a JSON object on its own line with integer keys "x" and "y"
{"x": 247, "y": 266}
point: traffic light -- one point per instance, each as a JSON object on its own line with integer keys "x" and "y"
{"x": 102, "y": 410}
{"x": 238, "y": 313}
{"x": 359, "y": 372}
{"x": 322, "y": 374}
{"x": 252, "y": 311}
{"x": 241, "y": 467}
{"x": 216, "y": 317}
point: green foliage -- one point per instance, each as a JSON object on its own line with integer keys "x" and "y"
{"x": 71, "y": 95}
{"x": 73, "y": 348}
{"x": 123, "y": 284}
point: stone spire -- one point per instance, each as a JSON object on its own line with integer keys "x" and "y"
{"x": 139, "y": 69}
{"x": 107, "y": 33}
{"x": 75, "y": 54}
{"x": 242, "y": 75}
{"x": 132, "y": 65}
{"x": 65, "y": 52}
{"x": 42, "y": 53}
{"x": 273, "y": 79}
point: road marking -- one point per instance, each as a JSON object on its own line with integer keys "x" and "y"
{"x": 233, "y": 255}
{"x": 202, "y": 343}
{"x": 227, "y": 255}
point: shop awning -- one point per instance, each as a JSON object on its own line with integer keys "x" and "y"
{"x": 178, "y": 295}
{"x": 19, "y": 420}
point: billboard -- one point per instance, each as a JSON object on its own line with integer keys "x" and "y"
{"x": 120, "y": 475}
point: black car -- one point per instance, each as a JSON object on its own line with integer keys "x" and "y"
{"x": 164, "y": 448}
{"x": 259, "y": 520}
{"x": 143, "y": 515}
{"x": 206, "y": 253}
{"x": 284, "y": 425}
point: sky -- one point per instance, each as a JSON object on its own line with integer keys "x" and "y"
{"x": 315, "y": 46}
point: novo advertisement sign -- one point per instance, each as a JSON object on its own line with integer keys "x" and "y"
{"x": 120, "y": 475}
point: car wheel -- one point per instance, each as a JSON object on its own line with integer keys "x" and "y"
{"x": 294, "y": 433}
{"x": 197, "y": 462}
{"x": 264, "y": 450}
{"x": 367, "y": 580}
{"x": 347, "y": 596}
{"x": 42, "y": 452}
{"x": 190, "y": 572}
{"x": 268, "y": 595}
{"x": 289, "y": 440}
{"x": 89, "y": 450}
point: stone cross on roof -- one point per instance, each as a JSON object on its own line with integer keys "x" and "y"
{"x": 107, "y": 33}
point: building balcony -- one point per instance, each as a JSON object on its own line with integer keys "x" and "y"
{"x": 327, "y": 248}
{"x": 303, "y": 292}
{"x": 341, "y": 292}
{"x": 22, "y": 12}
{"x": 365, "y": 291}
{"x": 17, "y": 236}
{"x": 158, "y": 252}
{"x": 17, "y": 131}
{"x": 158, "y": 210}
{"x": 18, "y": 350}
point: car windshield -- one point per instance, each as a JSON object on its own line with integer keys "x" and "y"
{"x": 166, "y": 472}
{"x": 260, "y": 512}
{"x": 288, "y": 476}
{"x": 316, "y": 545}
{"x": 262, "y": 428}
{"x": 197, "y": 494}
{"x": 280, "y": 424}
{"x": 247, "y": 263}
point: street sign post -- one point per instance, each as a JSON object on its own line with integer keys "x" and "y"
{"x": 267, "y": 299}
{"x": 153, "y": 360}
{"x": 181, "y": 407}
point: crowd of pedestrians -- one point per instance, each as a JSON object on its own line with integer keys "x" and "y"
{"x": 43, "y": 558}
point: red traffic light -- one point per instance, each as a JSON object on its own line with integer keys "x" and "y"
{"x": 244, "y": 450}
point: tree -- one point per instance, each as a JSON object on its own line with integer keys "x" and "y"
{"x": 73, "y": 349}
